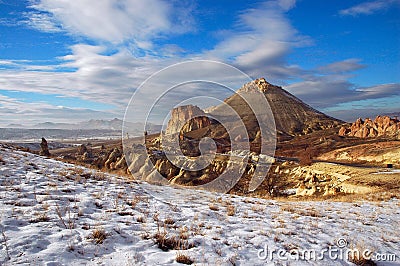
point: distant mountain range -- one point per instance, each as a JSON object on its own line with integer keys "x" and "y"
{"x": 395, "y": 114}
{"x": 87, "y": 129}
{"x": 114, "y": 124}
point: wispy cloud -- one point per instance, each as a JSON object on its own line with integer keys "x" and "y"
{"x": 93, "y": 75}
{"x": 112, "y": 21}
{"x": 368, "y": 8}
{"x": 42, "y": 21}
{"x": 261, "y": 40}
{"x": 324, "y": 92}
{"x": 15, "y": 111}
{"x": 347, "y": 65}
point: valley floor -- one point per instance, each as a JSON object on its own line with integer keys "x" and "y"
{"x": 54, "y": 213}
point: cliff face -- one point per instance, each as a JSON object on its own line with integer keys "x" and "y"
{"x": 381, "y": 126}
{"x": 187, "y": 118}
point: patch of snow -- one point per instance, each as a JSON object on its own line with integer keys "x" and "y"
{"x": 388, "y": 171}
{"x": 51, "y": 210}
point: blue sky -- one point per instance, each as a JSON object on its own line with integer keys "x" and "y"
{"x": 68, "y": 61}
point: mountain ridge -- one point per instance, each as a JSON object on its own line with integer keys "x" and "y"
{"x": 113, "y": 124}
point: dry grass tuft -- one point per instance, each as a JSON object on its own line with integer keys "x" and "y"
{"x": 230, "y": 210}
{"x": 98, "y": 236}
{"x": 167, "y": 242}
{"x": 41, "y": 217}
{"x": 362, "y": 261}
{"x": 302, "y": 212}
{"x": 184, "y": 259}
{"x": 169, "y": 221}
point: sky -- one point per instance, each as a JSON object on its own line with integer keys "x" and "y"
{"x": 70, "y": 61}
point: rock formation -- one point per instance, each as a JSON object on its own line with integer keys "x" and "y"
{"x": 187, "y": 118}
{"x": 44, "y": 148}
{"x": 381, "y": 126}
{"x": 82, "y": 149}
{"x": 313, "y": 182}
{"x": 113, "y": 158}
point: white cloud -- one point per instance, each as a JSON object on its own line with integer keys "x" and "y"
{"x": 96, "y": 76}
{"x": 368, "y": 8}
{"x": 347, "y": 65}
{"x": 356, "y": 112}
{"x": 14, "y": 111}
{"x": 261, "y": 40}
{"x": 7, "y": 63}
{"x": 112, "y": 21}
{"x": 287, "y": 4}
{"x": 42, "y": 21}
{"x": 326, "y": 91}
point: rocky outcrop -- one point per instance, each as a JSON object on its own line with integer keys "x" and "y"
{"x": 387, "y": 152}
{"x": 44, "y": 148}
{"x": 115, "y": 160}
{"x": 187, "y": 118}
{"x": 381, "y": 126}
{"x": 314, "y": 182}
{"x": 82, "y": 149}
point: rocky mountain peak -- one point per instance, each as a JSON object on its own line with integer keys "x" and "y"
{"x": 259, "y": 84}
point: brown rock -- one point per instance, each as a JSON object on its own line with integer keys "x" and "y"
{"x": 186, "y": 118}
{"x": 112, "y": 159}
{"x": 372, "y": 133}
{"x": 364, "y": 132}
{"x": 292, "y": 116}
{"x": 381, "y": 126}
{"x": 342, "y": 131}
{"x": 386, "y": 122}
{"x": 44, "y": 148}
{"x": 82, "y": 149}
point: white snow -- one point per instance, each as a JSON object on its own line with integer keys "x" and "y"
{"x": 388, "y": 171}
{"x": 35, "y": 192}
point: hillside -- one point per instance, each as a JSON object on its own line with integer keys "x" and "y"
{"x": 61, "y": 214}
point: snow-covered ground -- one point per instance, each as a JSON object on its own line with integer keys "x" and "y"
{"x": 54, "y": 213}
